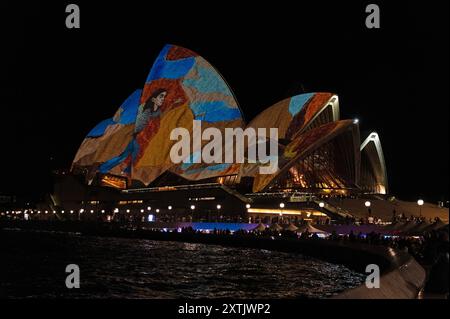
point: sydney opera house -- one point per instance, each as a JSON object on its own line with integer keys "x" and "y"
{"x": 123, "y": 166}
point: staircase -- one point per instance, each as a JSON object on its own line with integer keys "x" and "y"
{"x": 338, "y": 211}
{"x": 234, "y": 193}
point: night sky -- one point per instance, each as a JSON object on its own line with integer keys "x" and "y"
{"x": 58, "y": 83}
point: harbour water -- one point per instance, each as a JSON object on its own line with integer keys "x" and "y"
{"x": 33, "y": 266}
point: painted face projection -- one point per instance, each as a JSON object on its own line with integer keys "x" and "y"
{"x": 151, "y": 110}
{"x": 181, "y": 87}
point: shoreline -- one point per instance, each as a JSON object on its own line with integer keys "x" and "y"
{"x": 401, "y": 276}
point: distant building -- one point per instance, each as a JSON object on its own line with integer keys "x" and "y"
{"x": 7, "y": 199}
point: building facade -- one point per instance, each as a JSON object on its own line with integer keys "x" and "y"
{"x": 123, "y": 166}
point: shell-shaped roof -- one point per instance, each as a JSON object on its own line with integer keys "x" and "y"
{"x": 194, "y": 91}
{"x": 181, "y": 87}
{"x": 293, "y": 115}
{"x": 299, "y": 147}
{"x": 110, "y": 137}
{"x": 371, "y": 147}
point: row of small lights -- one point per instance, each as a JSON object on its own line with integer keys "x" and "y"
{"x": 420, "y": 202}
{"x": 116, "y": 210}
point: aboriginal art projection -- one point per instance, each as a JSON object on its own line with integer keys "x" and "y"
{"x": 316, "y": 150}
{"x": 181, "y": 87}
{"x": 109, "y": 138}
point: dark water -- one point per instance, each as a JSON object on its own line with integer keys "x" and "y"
{"x": 33, "y": 265}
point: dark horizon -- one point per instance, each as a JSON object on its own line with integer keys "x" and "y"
{"x": 59, "y": 83}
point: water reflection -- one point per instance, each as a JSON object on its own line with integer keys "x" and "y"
{"x": 34, "y": 266}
